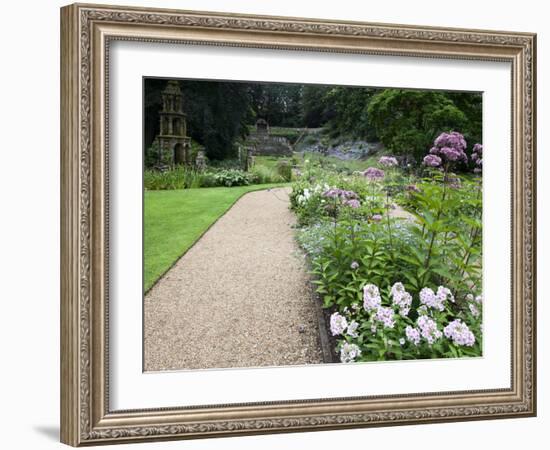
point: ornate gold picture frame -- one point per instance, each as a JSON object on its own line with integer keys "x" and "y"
{"x": 87, "y": 32}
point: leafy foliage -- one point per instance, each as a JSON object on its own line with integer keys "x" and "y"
{"x": 407, "y": 121}
{"x": 434, "y": 246}
{"x": 231, "y": 177}
{"x": 284, "y": 169}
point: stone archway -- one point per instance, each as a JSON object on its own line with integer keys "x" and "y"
{"x": 179, "y": 154}
{"x": 176, "y": 127}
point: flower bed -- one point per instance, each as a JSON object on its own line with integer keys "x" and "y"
{"x": 398, "y": 288}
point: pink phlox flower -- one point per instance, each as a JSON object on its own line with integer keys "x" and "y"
{"x": 459, "y": 333}
{"x": 338, "y": 324}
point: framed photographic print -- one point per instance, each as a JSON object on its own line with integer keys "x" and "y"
{"x": 276, "y": 224}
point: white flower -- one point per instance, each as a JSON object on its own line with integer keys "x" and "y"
{"x": 413, "y": 335}
{"x": 459, "y": 333}
{"x": 349, "y": 352}
{"x": 401, "y": 298}
{"x": 428, "y": 329}
{"x": 352, "y": 329}
{"x": 385, "y": 315}
{"x": 371, "y": 297}
{"x": 338, "y": 324}
{"x": 445, "y": 294}
{"x": 397, "y": 289}
{"x": 433, "y": 300}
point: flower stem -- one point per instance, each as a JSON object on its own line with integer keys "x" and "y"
{"x": 389, "y": 226}
{"x": 438, "y": 216}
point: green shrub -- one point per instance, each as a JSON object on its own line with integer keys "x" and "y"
{"x": 151, "y": 156}
{"x": 265, "y": 174}
{"x": 177, "y": 178}
{"x": 232, "y": 177}
{"x": 284, "y": 169}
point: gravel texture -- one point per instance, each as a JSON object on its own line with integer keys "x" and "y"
{"x": 399, "y": 213}
{"x": 240, "y": 297}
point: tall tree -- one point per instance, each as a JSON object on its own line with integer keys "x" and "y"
{"x": 317, "y": 109}
{"x": 351, "y": 116}
{"x": 279, "y": 104}
{"x": 407, "y": 121}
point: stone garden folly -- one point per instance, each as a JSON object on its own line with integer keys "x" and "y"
{"x": 174, "y": 144}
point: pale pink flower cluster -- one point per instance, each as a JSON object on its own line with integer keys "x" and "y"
{"x": 385, "y": 315}
{"x": 372, "y": 302}
{"x": 338, "y": 324}
{"x": 474, "y": 303}
{"x": 374, "y": 174}
{"x": 387, "y": 161}
{"x": 371, "y": 298}
{"x": 428, "y": 329}
{"x": 353, "y": 203}
{"x": 445, "y": 294}
{"x": 349, "y": 352}
{"x": 401, "y": 298}
{"x": 459, "y": 333}
{"x": 413, "y": 335}
{"x": 436, "y": 300}
{"x": 477, "y": 155}
{"x": 352, "y": 329}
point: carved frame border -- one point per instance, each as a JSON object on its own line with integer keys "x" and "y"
{"x": 86, "y": 31}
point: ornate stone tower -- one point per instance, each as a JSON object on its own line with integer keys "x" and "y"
{"x": 174, "y": 143}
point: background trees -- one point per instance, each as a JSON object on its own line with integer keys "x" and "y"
{"x": 406, "y": 121}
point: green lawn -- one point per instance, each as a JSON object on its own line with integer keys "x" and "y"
{"x": 268, "y": 161}
{"x": 175, "y": 219}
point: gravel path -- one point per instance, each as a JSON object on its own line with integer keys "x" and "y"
{"x": 399, "y": 213}
{"x": 240, "y": 297}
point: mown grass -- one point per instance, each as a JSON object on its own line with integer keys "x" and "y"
{"x": 175, "y": 219}
{"x": 266, "y": 161}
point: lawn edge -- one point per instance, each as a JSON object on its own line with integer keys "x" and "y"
{"x": 260, "y": 188}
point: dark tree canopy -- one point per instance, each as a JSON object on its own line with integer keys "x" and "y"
{"x": 316, "y": 108}
{"x": 217, "y": 113}
{"x": 279, "y": 104}
{"x": 407, "y": 121}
